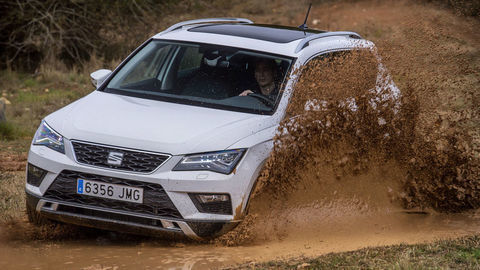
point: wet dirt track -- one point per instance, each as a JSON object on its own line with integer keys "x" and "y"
{"x": 345, "y": 234}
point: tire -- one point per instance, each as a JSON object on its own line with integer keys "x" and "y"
{"x": 34, "y": 217}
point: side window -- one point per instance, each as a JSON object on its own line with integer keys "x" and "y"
{"x": 192, "y": 59}
{"x": 148, "y": 66}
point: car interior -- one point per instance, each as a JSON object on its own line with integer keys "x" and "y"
{"x": 205, "y": 72}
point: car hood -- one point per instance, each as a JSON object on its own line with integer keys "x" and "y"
{"x": 153, "y": 125}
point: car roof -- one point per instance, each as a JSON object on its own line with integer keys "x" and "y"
{"x": 242, "y": 33}
{"x": 272, "y": 33}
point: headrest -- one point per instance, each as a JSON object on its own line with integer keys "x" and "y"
{"x": 215, "y": 59}
{"x": 211, "y": 62}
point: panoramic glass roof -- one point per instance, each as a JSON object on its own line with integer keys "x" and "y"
{"x": 272, "y": 33}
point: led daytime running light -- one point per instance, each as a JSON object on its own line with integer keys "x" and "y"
{"x": 222, "y": 162}
{"x": 48, "y": 137}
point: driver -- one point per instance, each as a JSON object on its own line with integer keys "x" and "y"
{"x": 265, "y": 75}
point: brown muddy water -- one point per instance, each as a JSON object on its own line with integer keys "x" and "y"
{"x": 340, "y": 234}
{"x": 344, "y": 233}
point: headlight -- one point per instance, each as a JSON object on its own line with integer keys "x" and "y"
{"x": 221, "y": 162}
{"x": 48, "y": 137}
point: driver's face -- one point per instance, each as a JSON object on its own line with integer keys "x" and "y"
{"x": 263, "y": 74}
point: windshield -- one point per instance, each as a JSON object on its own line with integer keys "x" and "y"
{"x": 203, "y": 75}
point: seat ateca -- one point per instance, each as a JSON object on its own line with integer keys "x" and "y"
{"x": 175, "y": 137}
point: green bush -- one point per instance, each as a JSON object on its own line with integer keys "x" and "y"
{"x": 7, "y": 131}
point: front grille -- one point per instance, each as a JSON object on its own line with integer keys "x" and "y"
{"x": 133, "y": 161}
{"x": 155, "y": 199}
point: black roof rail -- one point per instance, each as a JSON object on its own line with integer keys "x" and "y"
{"x": 206, "y": 20}
{"x": 305, "y": 41}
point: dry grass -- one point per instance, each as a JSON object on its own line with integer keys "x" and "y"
{"x": 463, "y": 253}
{"x": 31, "y": 98}
{"x": 12, "y": 204}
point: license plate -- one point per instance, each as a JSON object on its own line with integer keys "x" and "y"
{"x": 110, "y": 191}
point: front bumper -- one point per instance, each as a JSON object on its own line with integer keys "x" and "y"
{"x": 122, "y": 221}
{"x": 176, "y": 185}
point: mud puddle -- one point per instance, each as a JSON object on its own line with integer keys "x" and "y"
{"x": 338, "y": 234}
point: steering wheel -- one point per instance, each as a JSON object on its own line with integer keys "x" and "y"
{"x": 265, "y": 100}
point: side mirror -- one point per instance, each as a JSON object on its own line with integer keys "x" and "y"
{"x": 99, "y": 76}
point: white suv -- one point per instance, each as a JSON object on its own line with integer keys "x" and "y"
{"x": 174, "y": 138}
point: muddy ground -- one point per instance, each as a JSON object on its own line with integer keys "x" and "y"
{"x": 350, "y": 186}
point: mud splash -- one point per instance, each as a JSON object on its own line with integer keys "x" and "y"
{"x": 339, "y": 126}
{"x": 435, "y": 60}
{"x": 342, "y": 122}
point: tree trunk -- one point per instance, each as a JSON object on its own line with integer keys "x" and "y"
{"x": 2, "y": 111}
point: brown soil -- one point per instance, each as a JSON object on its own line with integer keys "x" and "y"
{"x": 12, "y": 161}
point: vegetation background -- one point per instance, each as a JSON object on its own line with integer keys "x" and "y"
{"x": 71, "y": 33}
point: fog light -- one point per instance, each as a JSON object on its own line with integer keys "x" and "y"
{"x": 211, "y": 198}
{"x": 35, "y": 175}
{"x": 212, "y": 203}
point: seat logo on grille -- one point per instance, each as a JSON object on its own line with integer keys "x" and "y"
{"x": 115, "y": 158}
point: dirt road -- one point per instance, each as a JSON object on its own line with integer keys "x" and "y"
{"x": 106, "y": 251}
